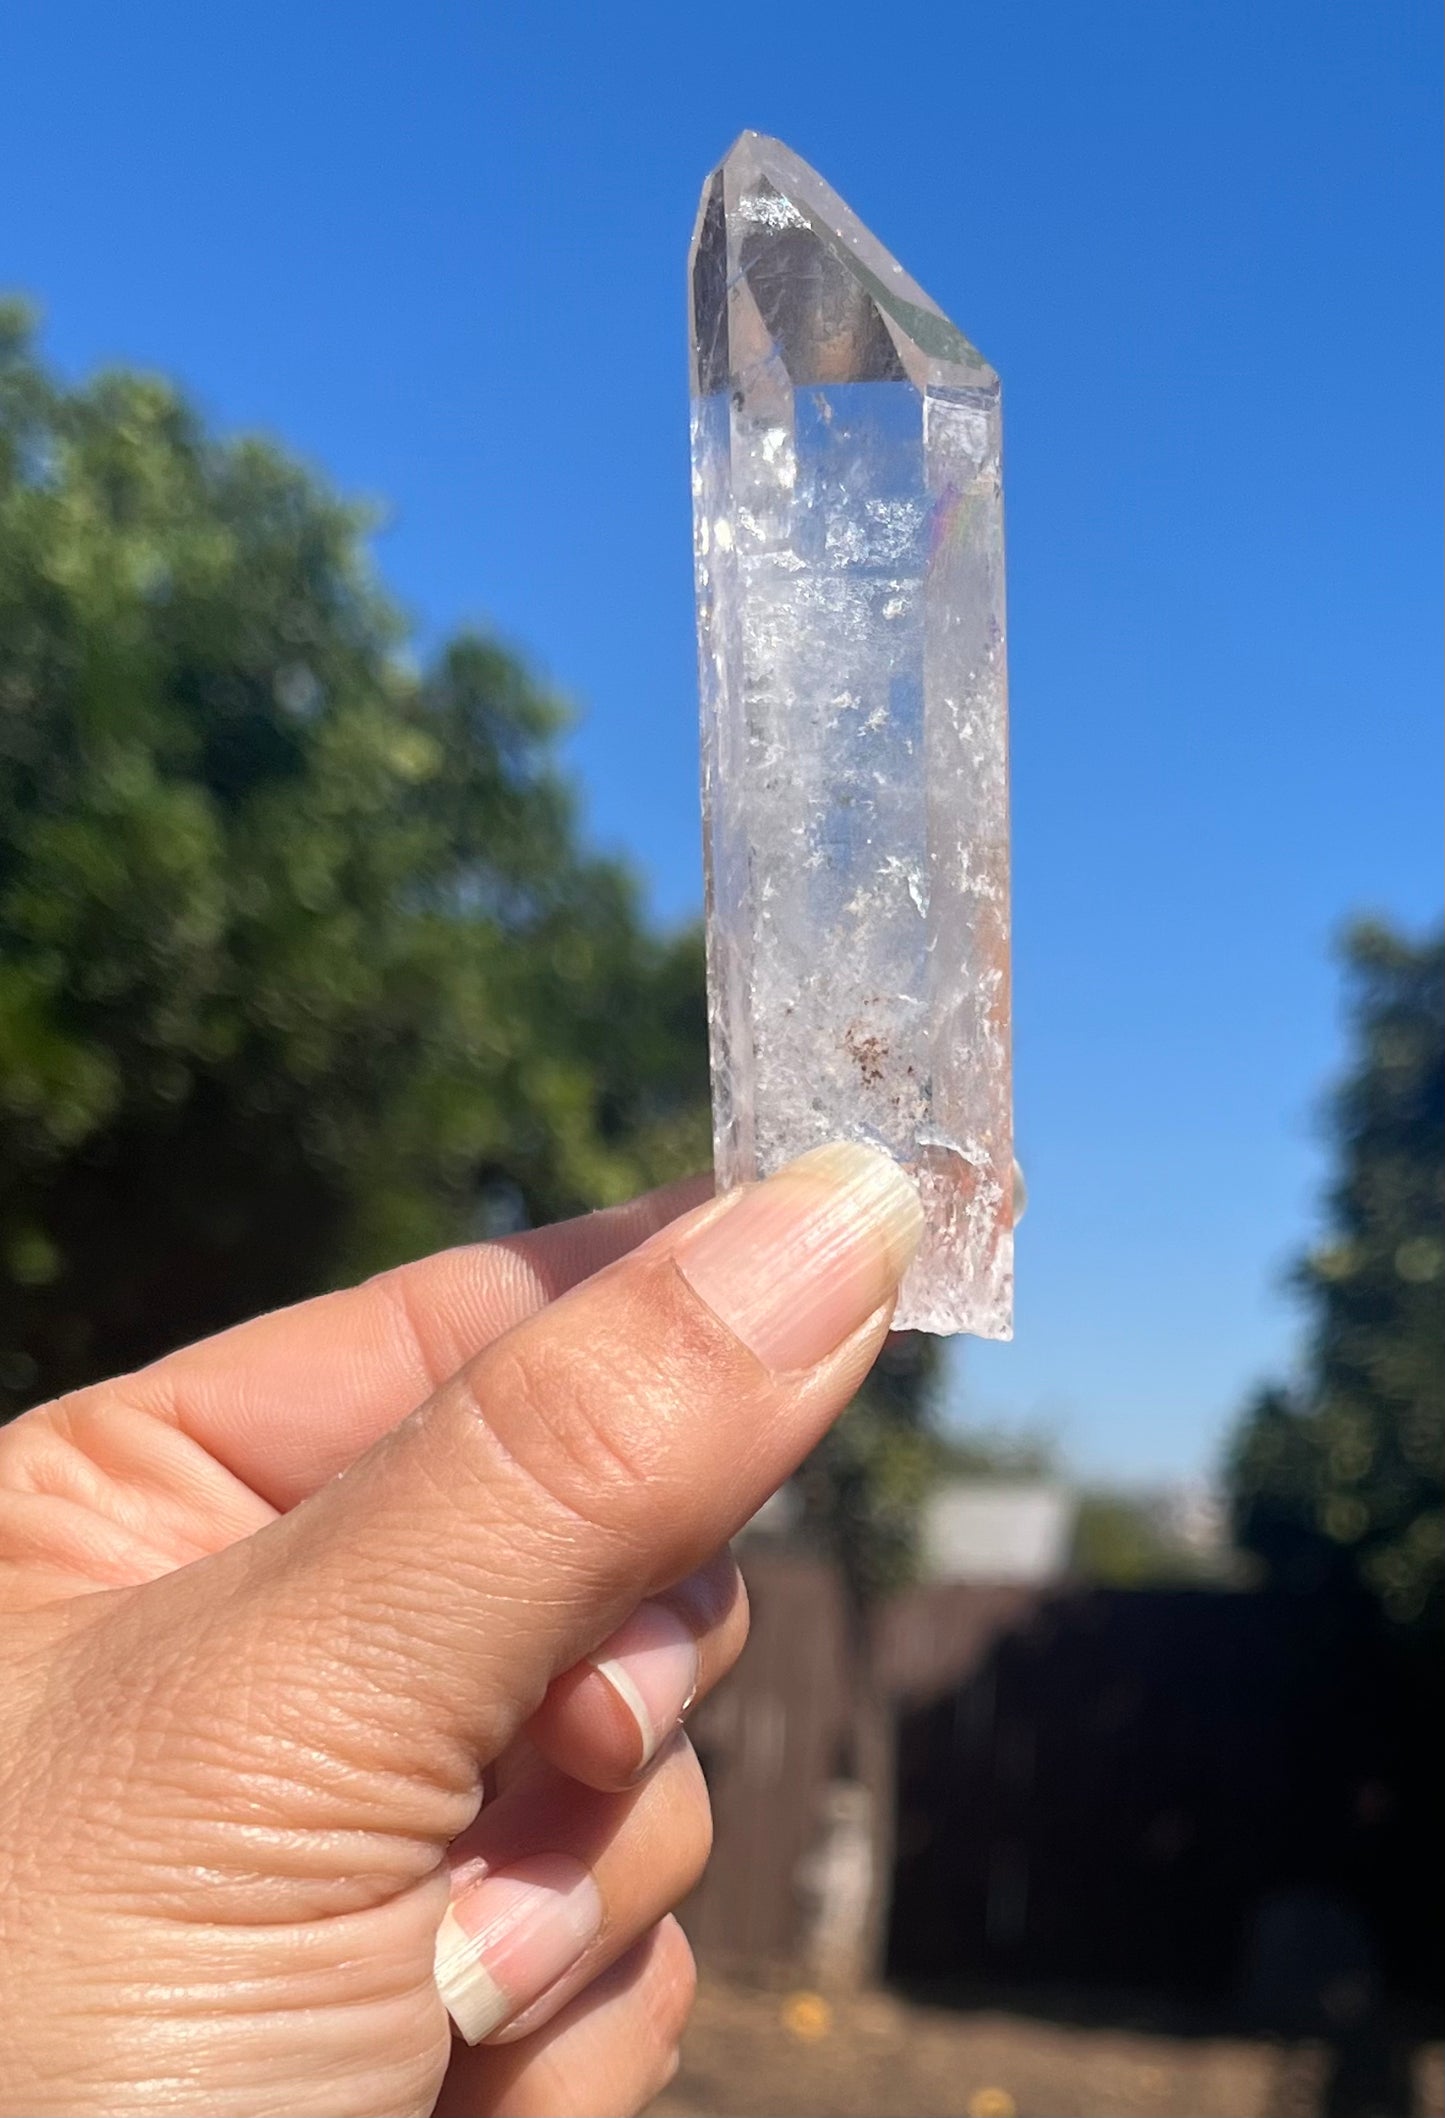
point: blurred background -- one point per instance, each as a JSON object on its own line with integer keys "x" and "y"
{"x": 1087, "y": 1757}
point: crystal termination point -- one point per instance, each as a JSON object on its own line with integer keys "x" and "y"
{"x": 848, "y": 519}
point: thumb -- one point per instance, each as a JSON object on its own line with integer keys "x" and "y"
{"x": 404, "y": 1623}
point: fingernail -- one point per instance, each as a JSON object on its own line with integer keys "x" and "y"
{"x": 651, "y": 1663}
{"x": 505, "y": 1941}
{"x": 802, "y": 1260}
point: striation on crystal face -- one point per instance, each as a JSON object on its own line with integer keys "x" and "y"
{"x": 849, "y": 549}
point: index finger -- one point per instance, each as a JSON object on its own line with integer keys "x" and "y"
{"x": 589, "y": 1459}
{"x": 288, "y": 1400}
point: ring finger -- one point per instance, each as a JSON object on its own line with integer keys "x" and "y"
{"x": 555, "y": 1881}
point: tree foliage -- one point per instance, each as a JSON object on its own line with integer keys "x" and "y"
{"x": 302, "y": 968}
{"x": 1124, "y": 1540}
{"x": 1345, "y": 1473}
{"x": 863, "y": 1486}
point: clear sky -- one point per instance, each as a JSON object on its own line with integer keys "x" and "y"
{"x": 439, "y": 248}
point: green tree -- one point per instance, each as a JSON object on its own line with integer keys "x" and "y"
{"x": 863, "y": 1486}
{"x": 301, "y": 966}
{"x": 1345, "y": 1473}
{"x": 1120, "y": 1541}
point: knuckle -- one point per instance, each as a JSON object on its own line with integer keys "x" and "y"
{"x": 580, "y": 1425}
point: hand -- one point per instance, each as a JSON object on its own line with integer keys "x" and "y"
{"x": 270, "y": 1631}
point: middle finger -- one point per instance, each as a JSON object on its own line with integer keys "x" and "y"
{"x": 605, "y": 1719}
{"x": 554, "y": 1881}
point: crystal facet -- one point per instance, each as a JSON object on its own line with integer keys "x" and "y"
{"x": 849, "y": 549}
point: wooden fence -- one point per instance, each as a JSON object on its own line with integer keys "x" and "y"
{"x": 1120, "y": 1786}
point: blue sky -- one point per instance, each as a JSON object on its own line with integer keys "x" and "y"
{"x": 439, "y": 249}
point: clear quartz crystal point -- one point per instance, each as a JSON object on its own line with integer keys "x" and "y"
{"x": 849, "y": 546}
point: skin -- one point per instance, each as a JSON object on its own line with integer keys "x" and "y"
{"x": 281, "y": 1608}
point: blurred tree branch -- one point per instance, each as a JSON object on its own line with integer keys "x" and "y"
{"x": 1343, "y": 1476}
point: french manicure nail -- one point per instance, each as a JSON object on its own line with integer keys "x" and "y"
{"x": 505, "y": 1941}
{"x": 798, "y": 1263}
{"x": 651, "y": 1663}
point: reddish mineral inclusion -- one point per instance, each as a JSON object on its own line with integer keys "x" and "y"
{"x": 848, "y": 518}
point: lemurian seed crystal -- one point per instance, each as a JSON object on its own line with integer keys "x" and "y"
{"x": 848, "y": 516}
